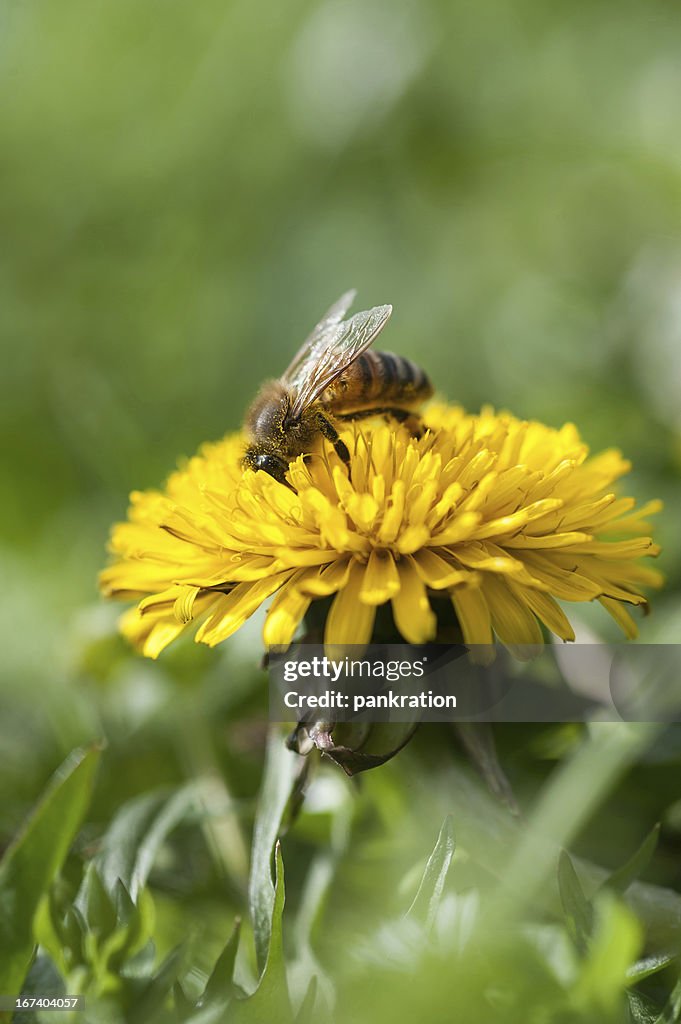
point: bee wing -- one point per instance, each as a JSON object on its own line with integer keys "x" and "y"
{"x": 331, "y": 318}
{"x": 337, "y": 347}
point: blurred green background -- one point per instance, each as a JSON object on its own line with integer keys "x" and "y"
{"x": 185, "y": 187}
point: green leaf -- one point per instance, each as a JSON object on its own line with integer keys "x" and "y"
{"x": 95, "y": 903}
{"x": 672, "y": 1011}
{"x": 99, "y": 931}
{"x": 642, "y": 1009}
{"x": 429, "y": 894}
{"x": 47, "y": 933}
{"x": 578, "y": 910}
{"x": 213, "y": 1014}
{"x": 270, "y": 1001}
{"x": 616, "y": 939}
{"x": 331, "y": 848}
{"x": 478, "y": 741}
{"x": 151, "y": 1002}
{"x": 306, "y": 1011}
{"x": 220, "y": 985}
{"x": 136, "y": 834}
{"x": 280, "y": 779}
{"x": 43, "y": 977}
{"x": 183, "y": 1006}
{"x": 137, "y": 919}
{"x": 621, "y": 879}
{"x": 649, "y": 965}
{"x": 140, "y": 966}
{"x": 34, "y": 858}
{"x": 74, "y": 928}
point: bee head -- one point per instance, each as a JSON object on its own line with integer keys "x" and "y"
{"x": 267, "y": 462}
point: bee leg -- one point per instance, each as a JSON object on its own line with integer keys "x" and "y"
{"x": 411, "y": 419}
{"x": 414, "y": 425}
{"x": 331, "y": 434}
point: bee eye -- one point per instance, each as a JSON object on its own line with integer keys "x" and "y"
{"x": 271, "y": 464}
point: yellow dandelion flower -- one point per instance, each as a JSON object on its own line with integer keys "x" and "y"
{"x": 502, "y": 517}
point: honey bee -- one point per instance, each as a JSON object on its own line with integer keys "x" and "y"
{"x": 333, "y": 377}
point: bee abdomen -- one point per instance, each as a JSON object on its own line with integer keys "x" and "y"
{"x": 378, "y": 379}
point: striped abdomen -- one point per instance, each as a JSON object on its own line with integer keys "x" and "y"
{"x": 378, "y": 380}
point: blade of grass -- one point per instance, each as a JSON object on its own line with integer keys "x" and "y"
{"x": 134, "y": 837}
{"x": 621, "y": 879}
{"x": 429, "y": 894}
{"x": 578, "y": 910}
{"x": 220, "y": 984}
{"x": 568, "y": 802}
{"x": 34, "y": 858}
